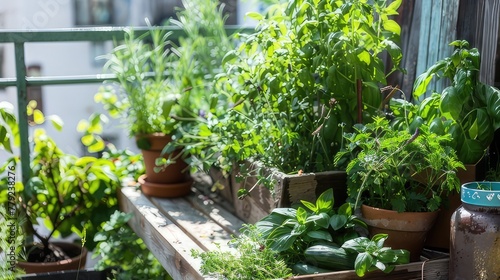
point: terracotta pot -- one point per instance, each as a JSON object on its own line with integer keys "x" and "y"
{"x": 165, "y": 190}
{"x": 172, "y": 174}
{"x": 76, "y": 252}
{"x": 439, "y": 235}
{"x": 406, "y": 230}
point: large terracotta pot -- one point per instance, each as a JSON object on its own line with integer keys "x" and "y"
{"x": 76, "y": 252}
{"x": 406, "y": 230}
{"x": 172, "y": 181}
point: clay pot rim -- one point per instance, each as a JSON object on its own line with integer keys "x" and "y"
{"x": 396, "y": 212}
{"x": 143, "y": 180}
{"x": 397, "y": 217}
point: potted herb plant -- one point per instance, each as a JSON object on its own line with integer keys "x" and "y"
{"x": 147, "y": 97}
{"x": 467, "y": 109}
{"x": 308, "y": 72}
{"x": 65, "y": 193}
{"x": 395, "y": 174}
{"x": 178, "y": 92}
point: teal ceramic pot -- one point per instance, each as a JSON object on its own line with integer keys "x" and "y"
{"x": 475, "y": 233}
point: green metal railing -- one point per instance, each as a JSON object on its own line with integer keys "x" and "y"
{"x": 22, "y": 82}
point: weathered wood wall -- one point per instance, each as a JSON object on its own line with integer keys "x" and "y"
{"x": 478, "y": 24}
{"x": 428, "y": 27}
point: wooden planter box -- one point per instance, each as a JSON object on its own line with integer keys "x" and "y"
{"x": 289, "y": 189}
{"x": 436, "y": 269}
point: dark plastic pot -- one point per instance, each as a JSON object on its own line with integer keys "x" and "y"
{"x": 86, "y": 274}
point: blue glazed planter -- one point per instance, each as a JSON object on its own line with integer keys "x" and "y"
{"x": 481, "y": 194}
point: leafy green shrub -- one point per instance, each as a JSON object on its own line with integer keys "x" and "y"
{"x": 120, "y": 248}
{"x": 397, "y": 169}
{"x": 293, "y": 84}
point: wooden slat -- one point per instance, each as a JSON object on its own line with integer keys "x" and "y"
{"x": 432, "y": 269}
{"x": 478, "y": 22}
{"x": 202, "y": 230}
{"x": 163, "y": 237}
{"x": 490, "y": 17}
{"x": 437, "y": 31}
{"x": 221, "y": 216}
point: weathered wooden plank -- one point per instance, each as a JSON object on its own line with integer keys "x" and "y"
{"x": 216, "y": 212}
{"x": 202, "y": 230}
{"x": 437, "y": 31}
{"x": 409, "y": 19}
{"x": 490, "y": 17}
{"x": 478, "y": 22}
{"x": 163, "y": 237}
{"x": 431, "y": 269}
{"x": 259, "y": 203}
{"x": 449, "y": 17}
{"x": 423, "y": 43}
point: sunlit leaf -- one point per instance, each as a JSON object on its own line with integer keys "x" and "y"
{"x": 38, "y": 116}
{"x": 56, "y": 121}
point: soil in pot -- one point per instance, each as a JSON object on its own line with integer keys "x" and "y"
{"x": 406, "y": 230}
{"x": 64, "y": 256}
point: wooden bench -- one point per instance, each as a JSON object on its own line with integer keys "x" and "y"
{"x": 172, "y": 228}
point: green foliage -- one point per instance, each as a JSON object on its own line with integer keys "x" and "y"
{"x": 203, "y": 49}
{"x": 9, "y": 131}
{"x": 329, "y": 256}
{"x": 92, "y": 129}
{"x": 75, "y": 195}
{"x": 397, "y": 170}
{"x": 67, "y": 192}
{"x": 145, "y": 97}
{"x": 372, "y": 254}
{"x": 250, "y": 260}
{"x": 468, "y": 109}
{"x": 305, "y": 239}
{"x": 120, "y": 248}
{"x": 292, "y": 84}
{"x": 290, "y": 231}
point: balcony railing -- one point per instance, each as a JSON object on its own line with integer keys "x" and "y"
{"x": 22, "y": 82}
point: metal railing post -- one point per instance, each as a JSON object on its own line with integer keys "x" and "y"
{"x": 22, "y": 111}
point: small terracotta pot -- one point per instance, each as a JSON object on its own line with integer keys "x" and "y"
{"x": 76, "y": 252}
{"x": 406, "y": 230}
{"x": 172, "y": 174}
